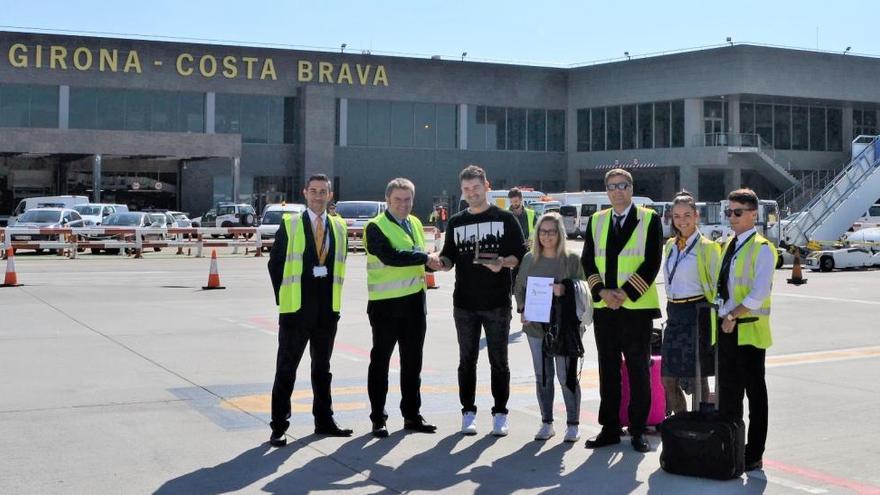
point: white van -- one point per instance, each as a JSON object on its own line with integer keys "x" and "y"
{"x": 599, "y": 202}
{"x": 571, "y": 218}
{"x": 46, "y": 202}
{"x": 499, "y": 198}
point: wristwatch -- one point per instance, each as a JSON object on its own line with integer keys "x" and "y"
{"x": 730, "y": 317}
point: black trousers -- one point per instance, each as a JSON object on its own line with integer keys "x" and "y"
{"x": 469, "y": 325}
{"x": 292, "y": 341}
{"x": 741, "y": 371}
{"x": 407, "y": 331}
{"x": 624, "y": 332}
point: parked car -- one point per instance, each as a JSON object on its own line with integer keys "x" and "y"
{"x": 209, "y": 219}
{"x": 272, "y": 217}
{"x": 45, "y": 202}
{"x": 182, "y": 219}
{"x": 95, "y": 213}
{"x": 871, "y": 218}
{"x": 236, "y": 215}
{"x": 46, "y": 218}
{"x": 356, "y": 215}
{"x": 132, "y": 220}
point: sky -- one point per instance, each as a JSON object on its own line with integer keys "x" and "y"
{"x": 555, "y": 33}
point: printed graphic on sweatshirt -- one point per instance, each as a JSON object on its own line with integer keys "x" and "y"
{"x": 483, "y": 238}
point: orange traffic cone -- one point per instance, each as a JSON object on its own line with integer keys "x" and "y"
{"x": 11, "y": 280}
{"x": 213, "y": 276}
{"x": 431, "y": 281}
{"x": 797, "y": 277}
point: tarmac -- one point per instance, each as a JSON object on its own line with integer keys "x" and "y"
{"x": 123, "y": 376}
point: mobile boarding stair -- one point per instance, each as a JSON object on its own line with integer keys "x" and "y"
{"x": 831, "y": 212}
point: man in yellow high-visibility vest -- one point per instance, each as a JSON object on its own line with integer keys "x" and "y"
{"x": 307, "y": 268}
{"x": 745, "y": 281}
{"x": 621, "y": 259}
{"x": 396, "y": 259}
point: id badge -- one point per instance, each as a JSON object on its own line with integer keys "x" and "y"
{"x": 719, "y": 302}
{"x": 319, "y": 271}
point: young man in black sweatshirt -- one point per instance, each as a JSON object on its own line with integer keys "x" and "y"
{"x": 484, "y": 243}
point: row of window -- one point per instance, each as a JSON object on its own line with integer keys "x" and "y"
{"x": 815, "y": 128}
{"x": 401, "y": 124}
{"x": 642, "y": 126}
{"x": 517, "y": 129}
{"x": 28, "y": 105}
{"x": 259, "y": 119}
{"x": 137, "y": 110}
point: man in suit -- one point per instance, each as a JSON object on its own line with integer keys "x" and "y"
{"x": 621, "y": 258}
{"x": 307, "y": 267}
{"x": 745, "y": 281}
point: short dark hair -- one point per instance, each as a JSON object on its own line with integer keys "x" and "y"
{"x": 745, "y": 196}
{"x": 514, "y": 192}
{"x": 472, "y": 172}
{"x": 619, "y": 172}
{"x": 320, "y": 177}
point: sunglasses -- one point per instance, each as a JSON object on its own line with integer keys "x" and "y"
{"x": 737, "y": 211}
{"x": 621, "y": 186}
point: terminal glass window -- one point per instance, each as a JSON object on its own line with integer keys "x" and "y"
{"x": 497, "y": 131}
{"x": 598, "y": 129}
{"x": 401, "y": 124}
{"x": 406, "y": 125}
{"x": 555, "y": 130}
{"x": 628, "y": 126}
{"x": 613, "y": 122}
{"x": 800, "y": 137}
{"x": 516, "y": 129}
{"x": 476, "y": 127}
{"x": 747, "y": 118}
{"x": 817, "y": 128}
{"x": 137, "y": 110}
{"x": 646, "y": 117}
{"x": 425, "y": 125}
{"x": 447, "y": 126}
{"x": 260, "y": 119}
{"x": 25, "y": 105}
{"x": 835, "y": 131}
{"x": 864, "y": 122}
{"x": 764, "y": 122}
{"x": 661, "y": 125}
{"x": 537, "y": 130}
{"x": 583, "y": 129}
{"x": 781, "y": 127}
{"x": 357, "y": 122}
{"x": 379, "y": 123}
{"x": 677, "y": 123}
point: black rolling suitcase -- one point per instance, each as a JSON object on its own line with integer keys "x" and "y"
{"x": 703, "y": 443}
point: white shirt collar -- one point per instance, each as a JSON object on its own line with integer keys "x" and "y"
{"x": 313, "y": 216}
{"x": 625, "y": 211}
{"x": 745, "y": 235}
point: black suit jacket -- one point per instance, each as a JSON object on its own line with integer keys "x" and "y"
{"x": 317, "y": 293}
{"x": 645, "y": 274}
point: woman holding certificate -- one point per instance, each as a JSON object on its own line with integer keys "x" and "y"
{"x": 689, "y": 270}
{"x": 548, "y": 263}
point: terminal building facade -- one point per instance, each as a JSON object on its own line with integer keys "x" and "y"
{"x": 184, "y": 126}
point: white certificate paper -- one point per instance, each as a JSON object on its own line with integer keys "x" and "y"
{"x": 539, "y": 299}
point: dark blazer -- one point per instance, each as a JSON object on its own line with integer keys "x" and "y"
{"x": 317, "y": 294}
{"x": 646, "y": 272}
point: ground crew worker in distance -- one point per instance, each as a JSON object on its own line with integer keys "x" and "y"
{"x": 307, "y": 268}
{"x": 395, "y": 245}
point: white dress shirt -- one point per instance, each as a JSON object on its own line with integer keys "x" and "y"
{"x": 686, "y": 283}
{"x": 763, "y": 276}
{"x": 625, "y": 214}
{"x": 313, "y": 216}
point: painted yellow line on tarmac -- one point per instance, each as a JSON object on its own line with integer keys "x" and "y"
{"x": 823, "y": 356}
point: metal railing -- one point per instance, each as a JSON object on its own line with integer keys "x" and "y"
{"x": 811, "y": 183}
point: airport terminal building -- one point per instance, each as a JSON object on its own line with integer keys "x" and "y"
{"x": 183, "y": 126}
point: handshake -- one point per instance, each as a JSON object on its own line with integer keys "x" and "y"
{"x": 614, "y": 298}
{"x": 434, "y": 262}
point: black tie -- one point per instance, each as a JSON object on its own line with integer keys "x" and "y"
{"x": 726, "y": 262}
{"x": 618, "y": 224}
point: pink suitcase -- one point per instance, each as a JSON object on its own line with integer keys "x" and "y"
{"x": 658, "y": 396}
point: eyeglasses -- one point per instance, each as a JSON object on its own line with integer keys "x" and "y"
{"x": 621, "y": 186}
{"x": 737, "y": 211}
{"x": 547, "y": 232}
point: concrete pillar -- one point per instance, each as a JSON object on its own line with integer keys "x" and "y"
{"x": 668, "y": 184}
{"x": 462, "y": 126}
{"x": 732, "y": 179}
{"x": 64, "y": 107}
{"x": 96, "y": 178}
{"x": 693, "y": 123}
{"x": 733, "y": 114}
{"x": 210, "y": 112}
{"x": 318, "y": 122}
{"x": 689, "y": 179}
{"x": 236, "y": 178}
{"x": 343, "y": 122}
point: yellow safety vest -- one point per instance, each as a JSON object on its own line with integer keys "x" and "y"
{"x": 708, "y": 264}
{"x": 530, "y": 223}
{"x": 630, "y": 257}
{"x": 755, "y": 333}
{"x": 290, "y": 294}
{"x": 389, "y": 282}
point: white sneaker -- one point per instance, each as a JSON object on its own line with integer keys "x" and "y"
{"x": 572, "y": 433}
{"x": 469, "y": 423}
{"x": 499, "y": 425}
{"x": 546, "y": 432}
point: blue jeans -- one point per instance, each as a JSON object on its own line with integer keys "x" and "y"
{"x": 546, "y": 389}
{"x": 468, "y": 325}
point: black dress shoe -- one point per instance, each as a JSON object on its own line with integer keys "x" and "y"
{"x": 419, "y": 424}
{"x": 379, "y": 429}
{"x": 753, "y": 465}
{"x": 332, "y": 429}
{"x": 277, "y": 440}
{"x": 602, "y": 439}
{"x": 640, "y": 443}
